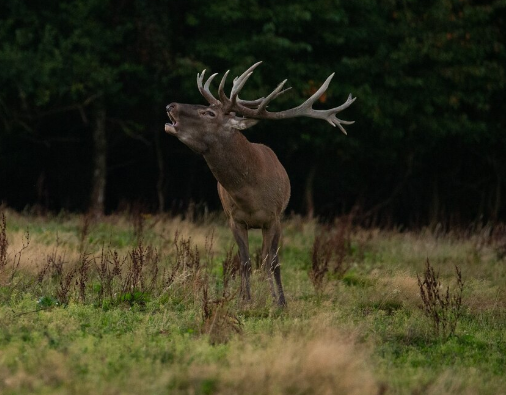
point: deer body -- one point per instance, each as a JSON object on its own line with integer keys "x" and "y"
{"x": 253, "y": 185}
{"x": 254, "y": 190}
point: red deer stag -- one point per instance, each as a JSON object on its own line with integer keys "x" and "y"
{"x": 253, "y": 186}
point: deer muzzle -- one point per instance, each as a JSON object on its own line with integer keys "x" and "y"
{"x": 170, "y": 127}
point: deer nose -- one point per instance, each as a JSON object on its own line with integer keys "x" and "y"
{"x": 170, "y": 107}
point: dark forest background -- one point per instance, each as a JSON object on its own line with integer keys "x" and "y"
{"x": 84, "y": 85}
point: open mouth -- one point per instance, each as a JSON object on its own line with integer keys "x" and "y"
{"x": 170, "y": 126}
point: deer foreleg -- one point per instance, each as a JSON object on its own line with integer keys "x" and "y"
{"x": 270, "y": 255}
{"x": 241, "y": 237}
{"x": 267, "y": 236}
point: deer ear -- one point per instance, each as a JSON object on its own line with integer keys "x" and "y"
{"x": 241, "y": 123}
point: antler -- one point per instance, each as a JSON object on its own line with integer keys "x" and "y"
{"x": 257, "y": 109}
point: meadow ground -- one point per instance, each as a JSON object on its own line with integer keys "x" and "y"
{"x": 150, "y": 304}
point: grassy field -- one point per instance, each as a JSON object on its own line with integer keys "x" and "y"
{"x": 150, "y": 305}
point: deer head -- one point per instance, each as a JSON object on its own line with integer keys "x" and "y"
{"x": 200, "y": 126}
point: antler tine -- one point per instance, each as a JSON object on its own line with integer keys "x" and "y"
{"x": 240, "y": 81}
{"x": 271, "y": 96}
{"x": 200, "y": 77}
{"x": 247, "y": 73}
{"x": 338, "y": 122}
{"x": 208, "y": 82}
{"x": 283, "y": 91}
{"x": 257, "y": 102}
{"x": 309, "y": 102}
{"x": 333, "y": 120}
{"x": 204, "y": 90}
{"x": 238, "y": 85}
{"x": 346, "y": 104}
{"x": 221, "y": 91}
{"x": 250, "y": 103}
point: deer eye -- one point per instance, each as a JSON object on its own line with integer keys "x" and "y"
{"x": 208, "y": 113}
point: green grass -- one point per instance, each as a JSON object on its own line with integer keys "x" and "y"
{"x": 363, "y": 333}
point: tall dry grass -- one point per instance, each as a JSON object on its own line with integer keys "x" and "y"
{"x": 321, "y": 361}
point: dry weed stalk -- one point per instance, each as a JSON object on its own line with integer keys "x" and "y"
{"x": 104, "y": 274}
{"x": 17, "y": 257}
{"x": 54, "y": 270}
{"x": 84, "y": 231}
{"x": 328, "y": 255}
{"x": 65, "y": 286}
{"x": 498, "y": 240}
{"x": 4, "y": 257}
{"x": 257, "y": 259}
{"x": 231, "y": 267}
{"x": 4, "y": 244}
{"x": 186, "y": 267}
{"x": 138, "y": 222}
{"x": 134, "y": 276}
{"x": 320, "y": 258}
{"x": 82, "y": 272}
{"x": 442, "y": 308}
{"x": 219, "y": 322}
{"x": 189, "y": 263}
{"x": 169, "y": 276}
{"x": 340, "y": 244}
{"x": 107, "y": 268}
{"x": 53, "y": 265}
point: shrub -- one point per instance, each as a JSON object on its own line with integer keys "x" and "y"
{"x": 3, "y": 242}
{"x": 443, "y": 308}
{"x": 328, "y": 255}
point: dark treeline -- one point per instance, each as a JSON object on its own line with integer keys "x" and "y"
{"x": 84, "y": 84}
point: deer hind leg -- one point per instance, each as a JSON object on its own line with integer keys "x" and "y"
{"x": 267, "y": 237}
{"x": 241, "y": 237}
{"x": 271, "y": 239}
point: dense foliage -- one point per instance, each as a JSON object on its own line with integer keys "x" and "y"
{"x": 428, "y": 143}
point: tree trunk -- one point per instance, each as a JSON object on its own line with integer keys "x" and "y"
{"x": 99, "y": 176}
